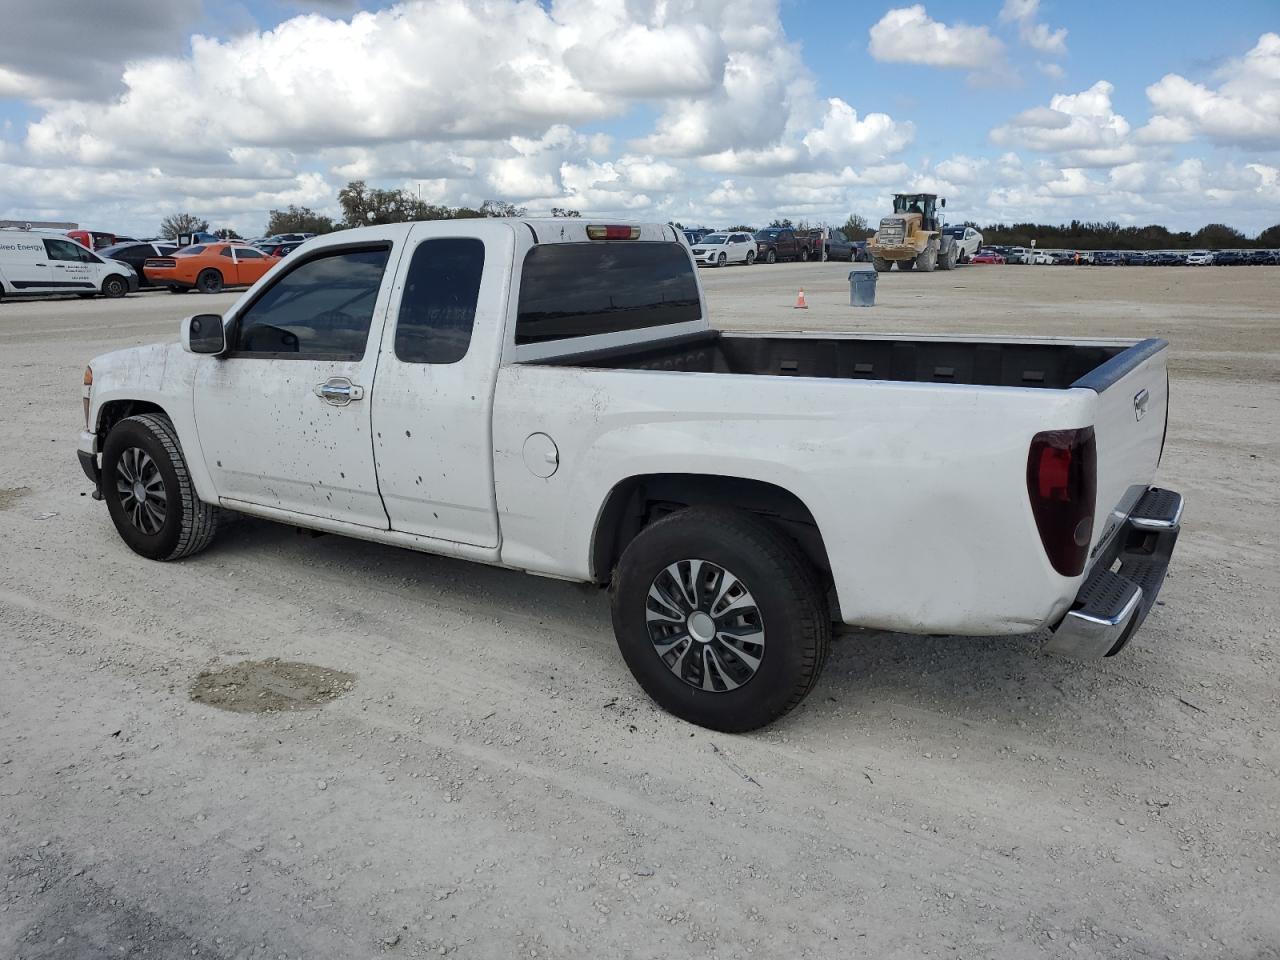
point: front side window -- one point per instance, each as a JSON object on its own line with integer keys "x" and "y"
{"x": 583, "y": 289}
{"x": 438, "y": 308}
{"x": 320, "y": 310}
{"x": 65, "y": 250}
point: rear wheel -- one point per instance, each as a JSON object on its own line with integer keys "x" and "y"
{"x": 114, "y": 287}
{"x": 721, "y": 618}
{"x": 149, "y": 492}
{"x": 209, "y": 281}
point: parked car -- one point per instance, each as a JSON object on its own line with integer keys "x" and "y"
{"x": 987, "y": 256}
{"x": 1135, "y": 258}
{"x": 786, "y": 243}
{"x": 719, "y": 249}
{"x": 208, "y": 267}
{"x": 1107, "y": 258}
{"x": 837, "y": 246}
{"x": 38, "y": 262}
{"x": 1261, "y": 257}
{"x": 694, "y": 234}
{"x": 288, "y": 238}
{"x": 1229, "y": 258}
{"x": 1042, "y": 258}
{"x": 135, "y": 254}
{"x": 1019, "y": 255}
{"x": 584, "y": 420}
{"x": 968, "y": 241}
{"x": 278, "y": 249}
{"x": 1199, "y": 258}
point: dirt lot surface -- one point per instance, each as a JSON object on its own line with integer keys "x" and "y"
{"x": 489, "y": 782}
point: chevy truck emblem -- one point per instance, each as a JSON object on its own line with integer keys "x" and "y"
{"x": 1140, "y": 403}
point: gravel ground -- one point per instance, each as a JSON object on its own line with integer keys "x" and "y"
{"x": 456, "y": 762}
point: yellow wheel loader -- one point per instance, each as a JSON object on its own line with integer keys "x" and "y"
{"x": 913, "y": 238}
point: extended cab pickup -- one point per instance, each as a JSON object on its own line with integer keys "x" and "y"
{"x": 550, "y": 396}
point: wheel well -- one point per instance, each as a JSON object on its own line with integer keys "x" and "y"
{"x": 638, "y": 501}
{"x": 113, "y": 411}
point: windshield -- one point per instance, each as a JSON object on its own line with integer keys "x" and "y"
{"x": 767, "y": 234}
{"x": 188, "y": 251}
{"x": 715, "y": 238}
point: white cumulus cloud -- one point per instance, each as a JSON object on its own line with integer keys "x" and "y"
{"x": 909, "y": 35}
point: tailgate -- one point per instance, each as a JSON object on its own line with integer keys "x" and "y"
{"x": 1129, "y": 424}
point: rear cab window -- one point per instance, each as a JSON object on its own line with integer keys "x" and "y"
{"x": 575, "y": 290}
{"x": 438, "y": 307}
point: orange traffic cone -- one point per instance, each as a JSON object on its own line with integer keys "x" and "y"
{"x": 800, "y": 304}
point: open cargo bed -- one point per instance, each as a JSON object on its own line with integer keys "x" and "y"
{"x": 980, "y": 361}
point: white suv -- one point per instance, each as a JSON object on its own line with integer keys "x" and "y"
{"x": 1199, "y": 258}
{"x": 718, "y": 249}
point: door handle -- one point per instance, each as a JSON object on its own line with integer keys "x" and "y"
{"x": 339, "y": 391}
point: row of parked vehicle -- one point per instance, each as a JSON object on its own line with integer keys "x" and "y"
{"x": 720, "y": 248}
{"x": 94, "y": 263}
{"x": 1127, "y": 258}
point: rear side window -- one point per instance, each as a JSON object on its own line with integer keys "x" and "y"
{"x": 582, "y": 289}
{"x": 321, "y": 310}
{"x": 438, "y": 309}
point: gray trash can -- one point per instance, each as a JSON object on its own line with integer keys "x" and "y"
{"x": 862, "y": 286}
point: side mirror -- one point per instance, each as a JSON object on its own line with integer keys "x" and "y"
{"x": 203, "y": 333}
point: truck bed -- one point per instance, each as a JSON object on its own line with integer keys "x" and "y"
{"x": 1030, "y": 363}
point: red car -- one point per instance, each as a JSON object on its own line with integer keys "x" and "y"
{"x": 986, "y": 256}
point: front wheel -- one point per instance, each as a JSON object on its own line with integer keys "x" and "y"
{"x": 114, "y": 287}
{"x": 721, "y": 618}
{"x": 149, "y": 492}
{"x": 804, "y": 254}
{"x": 880, "y": 265}
{"x": 751, "y": 257}
{"x": 771, "y": 257}
{"x": 721, "y": 260}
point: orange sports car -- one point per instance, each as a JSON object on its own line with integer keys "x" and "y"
{"x": 208, "y": 267}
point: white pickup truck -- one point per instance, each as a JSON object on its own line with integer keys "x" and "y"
{"x": 550, "y": 396}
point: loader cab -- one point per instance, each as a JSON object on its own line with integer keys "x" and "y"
{"x": 924, "y": 204}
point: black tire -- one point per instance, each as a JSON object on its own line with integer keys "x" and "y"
{"x": 751, "y": 257}
{"x": 783, "y": 589}
{"x": 209, "y": 281}
{"x": 115, "y": 287}
{"x": 804, "y": 254}
{"x": 771, "y": 256}
{"x": 188, "y": 524}
{"x": 721, "y": 260}
{"x": 880, "y": 265}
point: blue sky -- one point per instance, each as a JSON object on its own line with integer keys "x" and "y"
{"x": 711, "y": 111}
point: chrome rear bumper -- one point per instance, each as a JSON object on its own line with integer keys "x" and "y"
{"x": 1122, "y": 588}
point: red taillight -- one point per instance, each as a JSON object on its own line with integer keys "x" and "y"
{"x": 1062, "y": 482}
{"x": 613, "y": 232}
